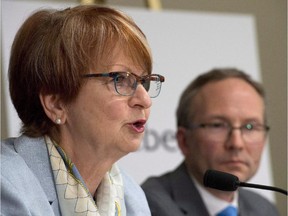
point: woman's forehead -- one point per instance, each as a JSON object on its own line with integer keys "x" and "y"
{"x": 121, "y": 59}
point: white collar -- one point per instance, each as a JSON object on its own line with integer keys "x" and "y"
{"x": 213, "y": 204}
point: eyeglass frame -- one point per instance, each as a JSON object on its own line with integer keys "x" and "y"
{"x": 263, "y": 127}
{"x": 139, "y": 79}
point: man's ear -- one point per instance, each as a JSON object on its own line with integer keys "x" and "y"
{"x": 181, "y": 136}
{"x": 53, "y": 107}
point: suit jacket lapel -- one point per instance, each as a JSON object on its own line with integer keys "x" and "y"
{"x": 186, "y": 194}
{"x": 34, "y": 152}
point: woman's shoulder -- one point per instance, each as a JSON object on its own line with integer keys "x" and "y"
{"x": 129, "y": 183}
{"x": 20, "y": 147}
{"x": 14, "y": 169}
{"x": 24, "y": 158}
{"x": 136, "y": 202}
{"x": 8, "y": 152}
{"x": 24, "y": 174}
{"x": 13, "y": 165}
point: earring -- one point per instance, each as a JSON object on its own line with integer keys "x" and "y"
{"x": 58, "y": 121}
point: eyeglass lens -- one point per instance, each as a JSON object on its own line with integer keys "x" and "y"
{"x": 222, "y": 132}
{"x": 126, "y": 84}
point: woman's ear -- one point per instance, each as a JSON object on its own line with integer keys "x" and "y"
{"x": 181, "y": 136}
{"x": 53, "y": 107}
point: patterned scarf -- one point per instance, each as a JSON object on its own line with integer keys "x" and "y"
{"x": 73, "y": 195}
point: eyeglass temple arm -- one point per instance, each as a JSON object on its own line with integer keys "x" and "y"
{"x": 154, "y": 77}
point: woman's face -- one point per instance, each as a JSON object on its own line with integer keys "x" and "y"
{"x": 102, "y": 121}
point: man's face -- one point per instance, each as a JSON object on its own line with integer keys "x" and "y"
{"x": 228, "y": 102}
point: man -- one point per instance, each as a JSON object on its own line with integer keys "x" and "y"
{"x": 221, "y": 125}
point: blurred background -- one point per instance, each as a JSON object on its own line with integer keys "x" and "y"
{"x": 269, "y": 20}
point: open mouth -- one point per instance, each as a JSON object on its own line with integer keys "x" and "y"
{"x": 139, "y": 126}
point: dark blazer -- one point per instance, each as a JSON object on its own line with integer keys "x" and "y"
{"x": 174, "y": 194}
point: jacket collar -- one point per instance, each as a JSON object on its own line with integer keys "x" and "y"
{"x": 186, "y": 195}
{"x": 34, "y": 152}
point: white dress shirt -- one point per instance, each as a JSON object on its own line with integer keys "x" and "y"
{"x": 213, "y": 204}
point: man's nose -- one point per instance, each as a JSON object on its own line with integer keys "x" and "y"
{"x": 235, "y": 139}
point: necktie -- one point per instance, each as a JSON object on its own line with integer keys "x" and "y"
{"x": 229, "y": 211}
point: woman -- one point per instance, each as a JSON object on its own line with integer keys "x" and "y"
{"x": 80, "y": 80}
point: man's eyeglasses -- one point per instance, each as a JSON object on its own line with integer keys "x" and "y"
{"x": 125, "y": 83}
{"x": 220, "y": 132}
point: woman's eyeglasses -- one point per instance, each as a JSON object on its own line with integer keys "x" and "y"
{"x": 125, "y": 83}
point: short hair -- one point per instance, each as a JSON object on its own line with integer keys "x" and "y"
{"x": 184, "y": 113}
{"x": 53, "y": 48}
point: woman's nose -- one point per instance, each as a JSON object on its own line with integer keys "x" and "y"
{"x": 141, "y": 97}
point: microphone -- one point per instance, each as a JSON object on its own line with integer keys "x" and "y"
{"x": 228, "y": 182}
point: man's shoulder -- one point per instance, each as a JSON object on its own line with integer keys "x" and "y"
{"x": 245, "y": 194}
{"x": 173, "y": 183}
{"x": 173, "y": 193}
{"x": 254, "y": 202}
{"x": 154, "y": 184}
{"x": 166, "y": 180}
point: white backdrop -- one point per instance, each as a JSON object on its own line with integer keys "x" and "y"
{"x": 184, "y": 44}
